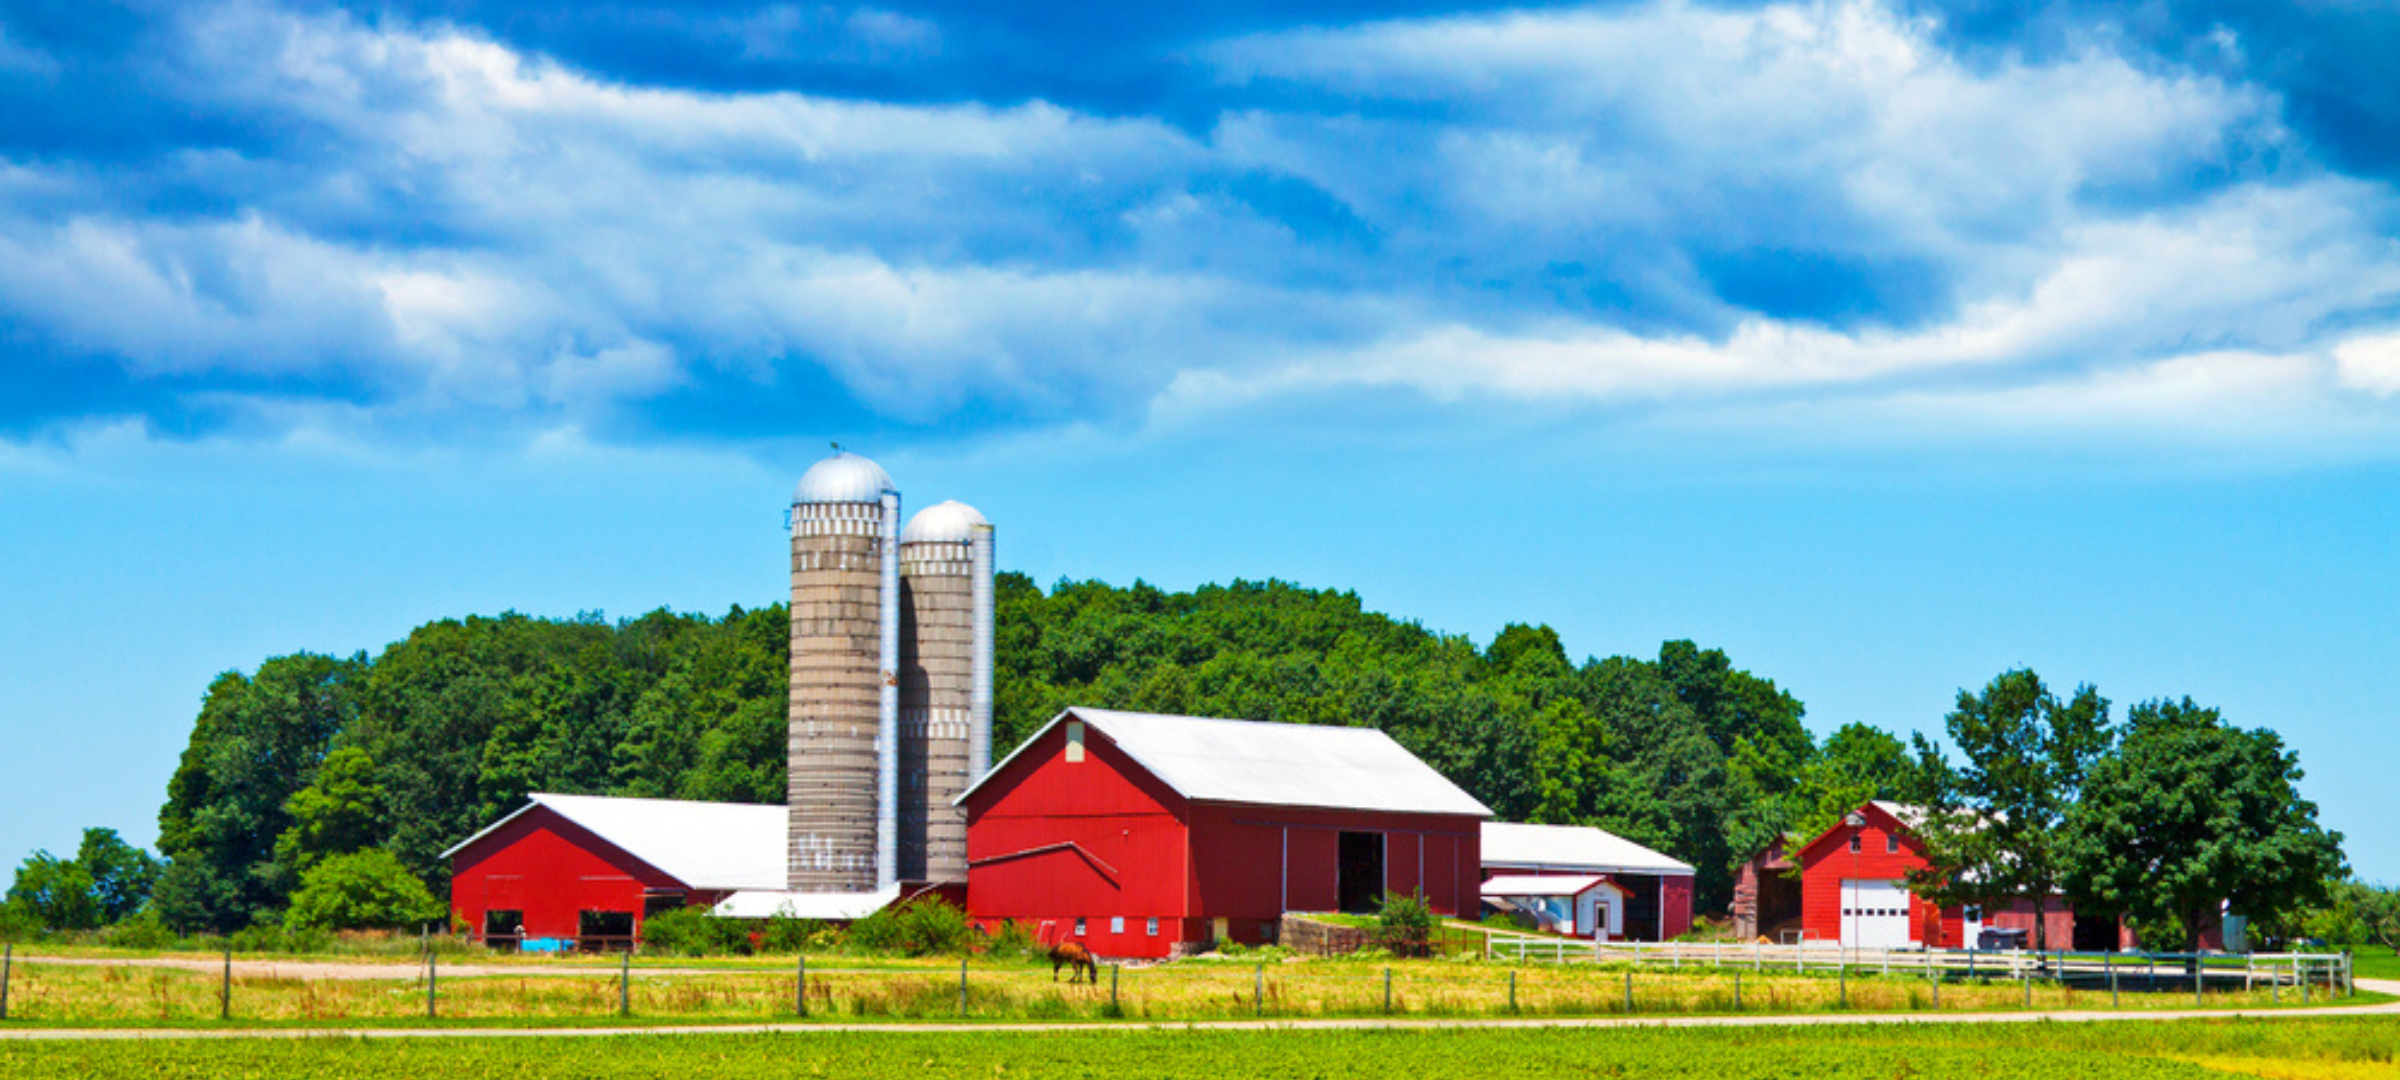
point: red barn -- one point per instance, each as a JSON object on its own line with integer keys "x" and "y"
{"x": 1136, "y": 833}
{"x": 1853, "y": 893}
{"x": 588, "y": 869}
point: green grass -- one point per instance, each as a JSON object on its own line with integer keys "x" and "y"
{"x": 2330, "y": 1049}
{"x": 2376, "y": 962}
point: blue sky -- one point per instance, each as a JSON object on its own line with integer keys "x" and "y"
{"x": 1884, "y": 345}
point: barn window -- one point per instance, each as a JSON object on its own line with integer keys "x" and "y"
{"x": 1116, "y": 924}
{"x": 1074, "y": 743}
{"x": 1891, "y": 844}
{"x": 1079, "y": 928}
{"x": 1153, "y": 926}
{"x": 1857, "y": 843}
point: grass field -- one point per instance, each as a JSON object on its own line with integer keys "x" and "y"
{"x": 2291, "y": 1050}
{"x": 63, "y": 995}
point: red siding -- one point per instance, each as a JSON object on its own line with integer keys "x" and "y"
{"x": 1674, "y": 906}
{"x": 1827, "y": 861}
{"x": 1049, "y": 841}
{"x": 552, "y": 870}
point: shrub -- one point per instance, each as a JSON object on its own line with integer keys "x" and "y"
{"x": 1013, "y": 942}
{"x": 691, "y": 931}
{"x": 1405, "y": 925}
{"x": 784, "y": 934}
{"x": 19, "y": 923}
{"x": 141, "y": 930}
{"x": 919, "y": 928}
{"x": 365, "y": 890}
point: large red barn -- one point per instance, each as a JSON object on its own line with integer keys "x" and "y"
{"x": 1137, "y": 833}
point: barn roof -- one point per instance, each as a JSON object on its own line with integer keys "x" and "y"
{"x": 1571, "y": 847}
{"x": 1548, "y": 885}
{"x": 1269, "y": 764}
{"x": 828, "y": 907}
{"x": 704, "y": 845}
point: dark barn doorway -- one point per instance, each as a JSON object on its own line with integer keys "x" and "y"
{"x": 1361, "y": 882}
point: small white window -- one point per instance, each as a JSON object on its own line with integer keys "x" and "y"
{"x": 1116, "y": 924}
{"x": 1154, "y": 926}
{"x": 1074, "y": 742}
{"x": 1079, "y": 928}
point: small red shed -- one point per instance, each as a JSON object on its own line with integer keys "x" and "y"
{"x": 589, "y": 869}
{"x": 1136, "y": 833}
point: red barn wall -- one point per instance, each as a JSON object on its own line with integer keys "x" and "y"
{"x": 1827, "y": 861}
{"x": 1674, "y": 906}
{"x": 553, "y": 870}
{"x": 1130, "y": 857}
{"x": 1253, "y": 863}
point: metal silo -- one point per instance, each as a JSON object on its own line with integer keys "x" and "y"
{"x": 843, "y": 750}
{"x": 945, "y": 684}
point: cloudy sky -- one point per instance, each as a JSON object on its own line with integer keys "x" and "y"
{"x": 1884, "y": 345}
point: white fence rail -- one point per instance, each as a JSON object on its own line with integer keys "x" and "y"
{"x": 2248, "y": 971}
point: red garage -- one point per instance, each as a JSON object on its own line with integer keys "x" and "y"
{"x": 587, "y": 870}
{"x": 1136, "y": 833}
{"x": 1853, "y": 892}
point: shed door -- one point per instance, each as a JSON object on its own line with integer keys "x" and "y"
{"x": 1874, "y": 914}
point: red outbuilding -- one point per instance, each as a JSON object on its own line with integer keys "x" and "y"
{"x": 1137, "y": 834}
{"x": 588, "y": 870}
{"x": 1853, "y": 893}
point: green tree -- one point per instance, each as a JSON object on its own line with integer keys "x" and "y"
{"x": 340, "y": 812}
{"x": 363, "y": 890}
{"x": 106, "y": 881}
{"x": 2191, "y": 816}
{"x": 1993, "y": 828}
{"x": 1858, "y": 763}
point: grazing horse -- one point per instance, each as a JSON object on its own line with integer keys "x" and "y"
{"x": 1077, "y": 959}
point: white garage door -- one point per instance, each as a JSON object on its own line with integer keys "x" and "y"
{"x": 1874, "y": 914}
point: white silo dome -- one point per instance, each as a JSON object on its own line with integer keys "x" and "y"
{"x": 843, "y": 478}
{"x": 949, "y": 522}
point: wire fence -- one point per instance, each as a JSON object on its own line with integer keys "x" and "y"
{"x": 2301, "y": 972}
{"x": 1652, "y": 980}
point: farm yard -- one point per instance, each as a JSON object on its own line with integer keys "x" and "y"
{"x": 93, "y": 988}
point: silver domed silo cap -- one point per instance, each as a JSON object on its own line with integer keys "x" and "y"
{"x": 843, "y": 478}
{"x": 950, "y": 522}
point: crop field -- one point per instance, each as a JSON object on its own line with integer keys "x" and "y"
{"x": 2293, "y": 1050}
{"x": 53, "y": 994}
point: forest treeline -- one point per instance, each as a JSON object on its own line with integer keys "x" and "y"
{"x": 445, "y": 731}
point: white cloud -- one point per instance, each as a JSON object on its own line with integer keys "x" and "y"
{"x": 2370, "y": 363}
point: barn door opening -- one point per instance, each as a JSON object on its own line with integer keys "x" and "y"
{"x": 1361, "y": 882}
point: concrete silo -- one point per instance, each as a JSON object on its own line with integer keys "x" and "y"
{"x": 845, "y": 703}
{"x": 945, "y": 683}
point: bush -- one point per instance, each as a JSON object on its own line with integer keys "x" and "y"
{"x": 365, "y": 890}
{"x": 19, "y": 923}
{"x": 142, "y": 930}
{"x": 921, "y": 928}
{"x": 1013, "y": 942}
{"x": 692, "y": 931}
{"x": 784, "y": 934}
{"x": 1405, "y": 925}
{"x": 269, "y": 936}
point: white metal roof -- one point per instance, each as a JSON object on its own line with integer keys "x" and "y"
{"x": 946, "y": 522}
{"x": 832, "y": 907}
{"x": 843, "y": 478}
{"x": 1571, "y": 847}
{"x": 1557, "y": 885}
{"x": 704, "y": 845}
{"x": 1268, "y": 764}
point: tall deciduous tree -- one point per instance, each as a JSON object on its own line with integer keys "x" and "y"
{"x": 107, "y": 880}
{"x": 1994, "y": 827}
{"x": 2192, "y": 816}
{"x": 341, "y": 812}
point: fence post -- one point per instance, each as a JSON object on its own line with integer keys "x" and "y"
{"x": 2199, "y": 973}
{"x": 1112, "y": 987}
{"x": 2304, "y": 987}
{"x": 1841, "y": 978}
{"x": 1737, "y": 991}
{"x": 800, "y": 988}
{"x": 625, "y": 985}
{"x": 2029, "y": 990}
{"x": 225, "y": 990}
{"x": 1258, "y": 993}
{"x": 2110, "y": 964}
{"x": 1387, "y": 991}
{"x": 1937, "y": 994}
{"x": 962, "y": 986}
{"x": 433, "y": 975}
{"x": 1512, "y": 990}
{"x": 8, "y": 964}
{"x": 1629, "y": 990}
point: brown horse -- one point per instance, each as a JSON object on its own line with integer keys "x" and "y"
{"x": 1077, "y": 959}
